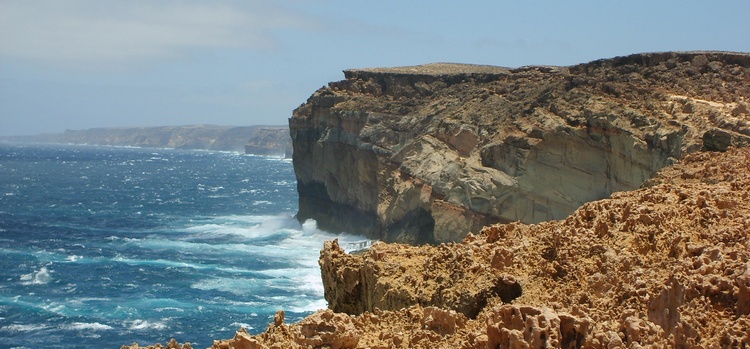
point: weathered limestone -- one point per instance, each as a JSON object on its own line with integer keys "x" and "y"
{"x": 664, "y": 266}
{"x": 430, "y": 153}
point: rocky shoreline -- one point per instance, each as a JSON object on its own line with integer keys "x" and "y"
{"x": 667, "y": 265}
{"x": 603, "y": 205}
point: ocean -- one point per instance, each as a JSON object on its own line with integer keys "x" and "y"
{"x": 106, "y": 246}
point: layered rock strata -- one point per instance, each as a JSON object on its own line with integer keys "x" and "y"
{"x": 664, "y": 266}
{"x": 427, "y": 154}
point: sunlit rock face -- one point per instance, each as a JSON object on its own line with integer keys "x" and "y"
{"x": 663, "y": 266}
{"x": 427, "y": 154}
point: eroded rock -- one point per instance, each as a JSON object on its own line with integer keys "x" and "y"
{"x": 667, "y": 265}
{"x": 427, "y": 154}
{"x": 528, "y": 327}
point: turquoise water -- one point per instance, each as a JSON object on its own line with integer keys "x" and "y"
{"x": 104, "y": 246}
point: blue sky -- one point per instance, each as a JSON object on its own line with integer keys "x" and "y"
{"x": 75, "y": 64}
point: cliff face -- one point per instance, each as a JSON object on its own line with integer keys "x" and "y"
{"x": 430, "y": 153}
{"x": 665, "y": 266}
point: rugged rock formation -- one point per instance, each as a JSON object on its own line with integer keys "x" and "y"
{"x": 265, "y": 140}
{"x": 427, "y": 154}
{"x": 418, "y": 327}
{"x": 431, "y": 153}
{"x": 664, "y": 266}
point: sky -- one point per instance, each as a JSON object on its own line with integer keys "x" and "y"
{"x": 78, "y": 64}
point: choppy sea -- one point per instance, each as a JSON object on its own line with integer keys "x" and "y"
{"x": 106, "y": 246}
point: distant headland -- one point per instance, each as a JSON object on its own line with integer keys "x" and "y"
{"x": 258, "y": 139}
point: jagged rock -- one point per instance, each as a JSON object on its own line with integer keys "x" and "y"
{"x": 430, "y": 153}
{"x": 528, "y": 327}
{"x": 389, "y": 276}
{"x": 504, "y": 326}
{"x": 667, "y": 265}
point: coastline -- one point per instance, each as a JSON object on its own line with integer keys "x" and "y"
{"x": 598, "y": 205}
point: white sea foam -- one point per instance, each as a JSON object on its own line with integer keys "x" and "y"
{"x": 234, "y": 285}
{"x": 176, "y": 264}
{"x": 39, "y": 277}
{"x": 57, "y": 308}
{"x": 139, "y": 325}
{"x": 246, "y": 226}
{"x": 300, "y": 250}
{"x": 238, "y": 325}
{"x": 170, "y": 309}
{"x": 23, "y": 328}
{"x": 86, "y": 326}
{"x": 311, "y": 306}
{"x": 310, "y": 226}
{"x": 83, "y": 300}
{"x": 306, "y": 280}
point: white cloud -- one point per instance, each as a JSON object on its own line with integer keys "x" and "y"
{"x": 98, "y": 32}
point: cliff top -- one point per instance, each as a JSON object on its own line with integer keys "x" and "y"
{"x": 450, "y": 69}
{"x": 437, "y": 69}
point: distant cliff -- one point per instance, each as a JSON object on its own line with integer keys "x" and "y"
{"x": 430, "y": 153}
{"x": 273, "y": 141}
{"x": 265, "y": 140}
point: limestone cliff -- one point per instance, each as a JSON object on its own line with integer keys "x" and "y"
{"x": 431, "y": 153}
{"x": 665, "y": 266}
{"x": 412, "y": 154}
{"x": 668, "y": 264}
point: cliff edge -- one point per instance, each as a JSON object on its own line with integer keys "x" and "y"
{"x": 430, "y": 153}
{"x": 664, "y": 266}
{"x": 427, "y": 154}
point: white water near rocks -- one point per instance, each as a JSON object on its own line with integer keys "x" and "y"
{"x": 102, "y": 246}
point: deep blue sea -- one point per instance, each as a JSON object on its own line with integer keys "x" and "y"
{"x": 105, "y": 246}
